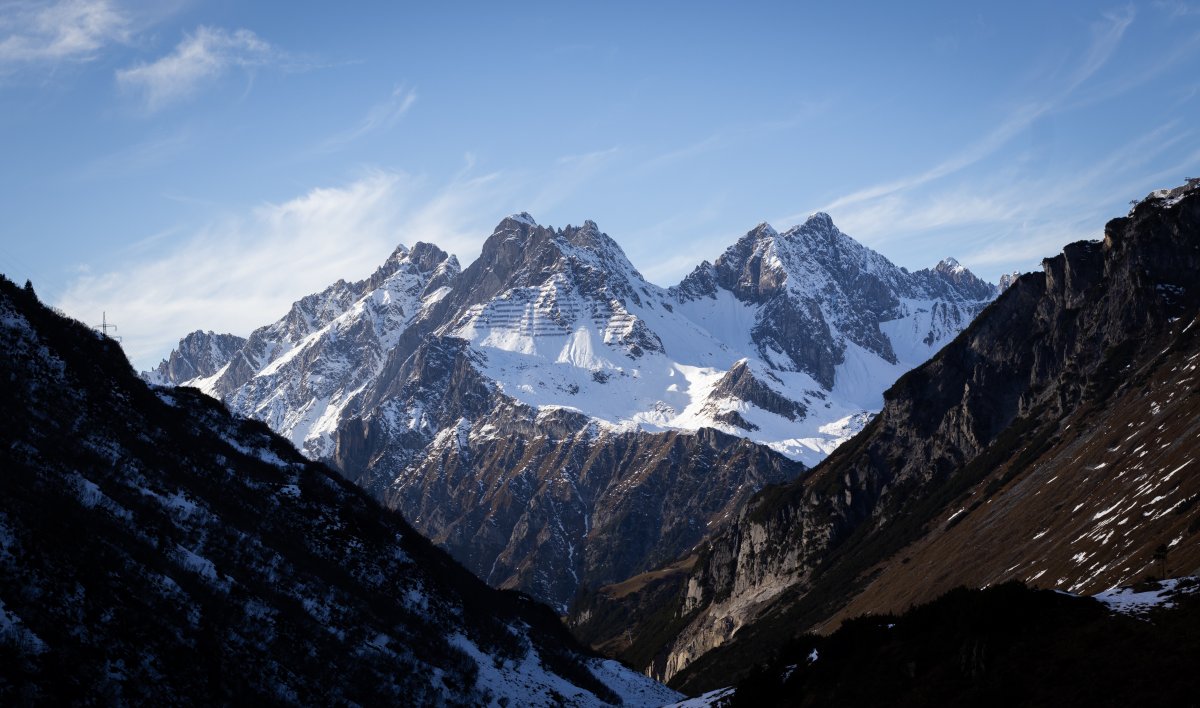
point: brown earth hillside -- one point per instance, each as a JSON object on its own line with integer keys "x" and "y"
{"x": 1052, "y": 442}
{"x": 1083, "y": 506}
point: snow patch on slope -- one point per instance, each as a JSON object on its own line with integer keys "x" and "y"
{"x": 1140, "y": 600}
{"x": 527, "y": 682}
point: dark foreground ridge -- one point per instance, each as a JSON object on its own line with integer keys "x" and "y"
{"x": 155, "y": 549}
{"x": 1003, "y": 646}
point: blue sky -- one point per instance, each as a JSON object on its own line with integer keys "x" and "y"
{"x": 185, "y": 165}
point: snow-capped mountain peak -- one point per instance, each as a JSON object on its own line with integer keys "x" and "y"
{"x": 949, "y": 265}
{"x": 786, "y": 341}
{"x": 199, "y": 354}
{"x": 819, "y": 219}
{"x": 964, "y": 281}
{"x": 765, "y": 230}
{"x": 523, "y": 217}
{"x": 800, "y": 328}
{"x": 299, "y": 373}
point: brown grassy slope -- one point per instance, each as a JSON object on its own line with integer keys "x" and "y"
{"x": 985, "y": 463}
{"x": 1103, "y": 490}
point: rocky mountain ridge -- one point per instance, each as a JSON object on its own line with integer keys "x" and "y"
{"x": 548, "y": 382}
{"x": 1051, "y": 442}
{"x": 199, "y": 355}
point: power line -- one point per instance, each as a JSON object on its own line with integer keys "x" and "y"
{"x": 104, "y": 326}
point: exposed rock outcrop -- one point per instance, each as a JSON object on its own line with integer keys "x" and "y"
{"x": 557, "y": 421}
{"x": 1052, "y": 442}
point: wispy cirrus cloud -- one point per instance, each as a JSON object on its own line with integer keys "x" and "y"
{"x": 1107, "y": 33}
{"x": 989, "y": 144}
{"x": 569, "y": 174}
{"x": 246, "y": 269}
{"x": 1106, "y": 37}
{"x": 1024, "y": 218}
{"x": 201, "y": 57}
{"x": 138, "y": 157}
{"x": 381, "y": 116}
{"x": 67, "y": 30}
{"x": 1176, "y": 9}
{"x": 1003, "y": 208}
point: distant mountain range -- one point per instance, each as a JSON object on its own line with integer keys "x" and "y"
{"x": 1053, "y": 442}
{"x": 155, "y": 548}
{"x": 556, "y": 421}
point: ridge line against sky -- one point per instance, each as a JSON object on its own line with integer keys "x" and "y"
{"x": 192, "y": 165}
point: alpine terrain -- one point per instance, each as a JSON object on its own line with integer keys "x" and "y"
{"x": 1053, "y": 442}
{"x": 556, "y": 421}
{"x": 155, "y": 549}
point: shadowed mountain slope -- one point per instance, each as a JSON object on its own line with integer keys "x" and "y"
{"x": 1053, "y": 441}
{"x": 155, "y": 549}
{"x": 557, "y": 422}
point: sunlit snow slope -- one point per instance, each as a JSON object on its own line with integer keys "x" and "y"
{"x": 788, "y": 340}
{"x": 554, "y": 420}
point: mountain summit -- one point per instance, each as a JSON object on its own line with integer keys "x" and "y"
{"x": 521, "y": 410}
{"x": 1053, "y": 442}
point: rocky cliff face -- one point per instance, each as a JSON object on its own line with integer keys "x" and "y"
{"x": 538, "y": 408}
{"x": 1049, "y": 442}
{"x": 156, "y": 549}
{"x": 543, "y": 497}
{"x": 819, "y": 292}
{"x": 298, "y": 374}
{"x": 199, "y": 355}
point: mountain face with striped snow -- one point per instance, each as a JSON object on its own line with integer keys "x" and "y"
{"x": 547, "y": 404}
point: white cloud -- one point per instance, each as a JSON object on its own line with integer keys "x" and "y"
{"x": 889, "y": 217}
{"x": 986, "y": 146}
{"x": 1106, "y": 37}
{"x": 1024, "y": 248}
{"x": 246, "y": 270}
{"x": 69, "y": 30}
{"x": 569, "y": 174}
{"x": 381, "y": 116}
{"x": 1008, "y": 220}
{"x": 135, "y": 158}
{"x": 1000, "y": 209}
{"x": 1176, "y": 9}
{"x": 200, "y": 57}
